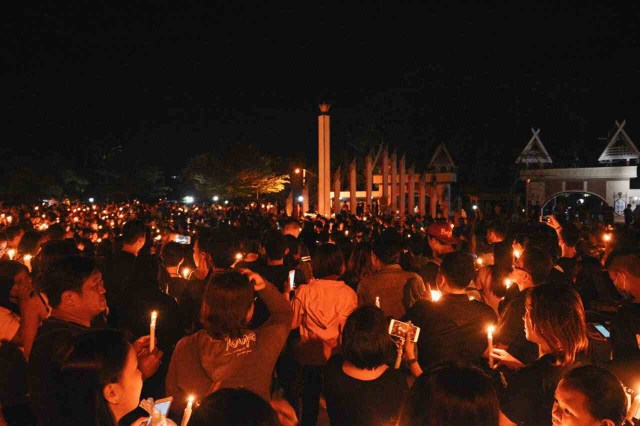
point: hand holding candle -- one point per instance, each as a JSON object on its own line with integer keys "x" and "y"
{"x": 152, "y": 331}
{"x": 187, "y": 411}
{"x": 490, "y": 331}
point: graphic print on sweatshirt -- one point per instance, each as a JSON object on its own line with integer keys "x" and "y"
{"x": 240, "y": 345}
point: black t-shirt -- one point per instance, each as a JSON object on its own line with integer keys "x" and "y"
{"x": 358, "y": 402}
{"x": 528, "y": 398}
{"x": 451, "y": 329}
{"x": 53, "y": 340}
{"x": 510, "y": 330}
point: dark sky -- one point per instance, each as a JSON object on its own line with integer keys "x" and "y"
{"x": 169, "y": 79}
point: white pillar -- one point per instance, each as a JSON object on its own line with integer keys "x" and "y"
{"x": 353, "y": 202}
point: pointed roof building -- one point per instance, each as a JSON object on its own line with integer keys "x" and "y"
{"x": 441, "y": 159}
{"x": 620, "y": 146}
{"x": 534, "y": 152}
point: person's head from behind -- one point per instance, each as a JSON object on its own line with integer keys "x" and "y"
{"x": 570, "y": 235}
{"x": 172, "y": 255}
{"x": 234, "y": 407}
{"x": 74, "y": 285}
{"x": 532, "y": 268}
{"x": 365, "y": 338}
{"x": 327, "y": 262}
{"x": 589, "y": 396}
{"x": 227, "y": 305}
{"x": 386, "y": 249}
{"x": 496, "y": 232}
{"x": 220, "y": 248}
{"x": 275, "y": 245}
{"x": 456, "y": 272}
{"x": 360, "y": 261}
{"x": 451, "y": 395}
{"x": 133, "y": 236}
{"x": 292, "y": 227}
{"x": 14, "y": 234}
{"x": 55, "y": 232}
{"x": 14, "y": 279}
{"x": 99, "y": 379}
{"x": 624, "y": 271}
{"x": 555, "y": 320}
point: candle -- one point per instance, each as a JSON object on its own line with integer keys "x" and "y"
{"x": 27, "y": 261}
{"x": 11, "y": 253}
{"x": 516, "y": 254}
{"x": 377, "y": 301}
{"x": 187, "y": 411}
{"x": 507, "y": 283}
{"x": 152, "y": 331}
{"x": 436, "y": 295}
{"x": 185, "y": 273}
{"x": 634, "y": 411}
{"x": 9, "y": 219}
{"x": 606, "y": 237}
{"x": 239, "y": 256}
{"x": 479, "y": 261}
{"x": 490, "y": 331}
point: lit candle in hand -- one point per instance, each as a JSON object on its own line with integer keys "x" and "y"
{"x": 152, "y": 331}
{"x": 27, "y": 261}
{"x": 516, "y": 253}
{"x": 11, "y": 253}
{"x": 185, "y": 273}
{"x": 187, "y": 411}
{"x": 507, "y": 283}
{"x": 490, "y": 331}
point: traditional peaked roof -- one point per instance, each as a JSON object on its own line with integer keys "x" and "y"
{"x": 441, "y": 158}
{"x": 620, "y": 146}
{"x": 534, "y": 152}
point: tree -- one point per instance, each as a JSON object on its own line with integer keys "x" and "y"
{"x": 237, "y": 170}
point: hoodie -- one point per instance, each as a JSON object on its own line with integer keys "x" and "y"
{"x": 201, "y": 364}
{"x": 320, "y": 310}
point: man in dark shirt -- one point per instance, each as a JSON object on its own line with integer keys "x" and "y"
{"x": 530, "y": 270}
{"x": 441, "y": 241}
{"x": 568, "y": 237}
{"x": 171, "y": 282}
{"x": 76, "y": 294}
{"x": 453, "y": 328}
{"x": 120, "y": 268}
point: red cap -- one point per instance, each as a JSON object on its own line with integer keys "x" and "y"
{"x": 442, "y": 232}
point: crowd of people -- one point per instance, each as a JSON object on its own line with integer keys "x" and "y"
{"x": 244, "y": 316}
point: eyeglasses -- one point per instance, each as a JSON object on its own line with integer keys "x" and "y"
{"x": 521, "y": 269}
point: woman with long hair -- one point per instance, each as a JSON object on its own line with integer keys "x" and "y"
{"x": 359, "y": 265}
{"x": 491, "y": 278}
{"x": 554, "y": 319}
{"x": 99, "y": 382}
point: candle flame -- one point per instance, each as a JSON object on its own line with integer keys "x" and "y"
{"x": 27, "y": 257}
{"x": 490, "y": 330}
{"x": 436, "y": 295}
{"x": 606, "y": 237}
{"x": 154, "y": 316}
{"x": 507, "y": 283}
{"x": 11, "y": 253}
{"x": 191, "y": 398}
{"x": 185, "y": 272}
{"x": 479, "y": 261}
{"x": 516, "y": 254}
{"x": 239, "y": 256}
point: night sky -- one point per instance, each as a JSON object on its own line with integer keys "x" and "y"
{"x": 168, "y": 80}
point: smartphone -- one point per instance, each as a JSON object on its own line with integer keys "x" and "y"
{"x": 602, "y": 330}
{"x": 292, "y": 277}
{"x": 162, "y": 405}
{"x": 182, "y": 239}
{"x": 404, "y": 330}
